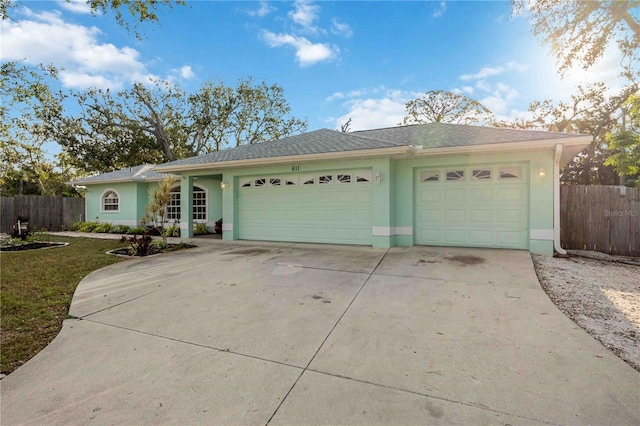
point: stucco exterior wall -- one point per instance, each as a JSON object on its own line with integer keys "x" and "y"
{"x": 132, "y": 199}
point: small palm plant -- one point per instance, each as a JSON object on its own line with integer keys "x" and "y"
{"x": 157, "y": 209}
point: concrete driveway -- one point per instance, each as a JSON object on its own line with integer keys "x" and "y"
{"x": 235, "y": 333}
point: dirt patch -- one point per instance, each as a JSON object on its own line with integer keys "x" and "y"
{"x": 249, "y": 251}
{"x": 466, "y": 259}
{"x": 602, "y": 297}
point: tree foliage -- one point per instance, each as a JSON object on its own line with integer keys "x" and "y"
{"x": 578, "y": 32}
{"x": 162, "y": 122}
{"x": 439, "y": 106}
{"x": 625, "y": 142}
{"x": 591, "y": 110}
{"x": 127, "y": 13}
{"x": 30, "y": 117}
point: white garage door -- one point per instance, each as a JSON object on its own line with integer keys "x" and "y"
{"x": 473, "y": 206}
{"x": 326, "y": 207}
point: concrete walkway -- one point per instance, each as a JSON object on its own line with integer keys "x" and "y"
{"x": 247, "y": 333}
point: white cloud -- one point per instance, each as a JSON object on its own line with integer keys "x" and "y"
{"x": 483, "y": 85}
{"x": 261, "y": 11}
{"x": 338, "y": 27}
{"x": 305, "y": 14}
{"x": 370, "y": 112}
{"x": 493, "y": 71}
{"x": 307, "y": 53}
{"x": 467, "y": 89}
{"x": 46, "y": 38}
{"x": 76, "y": 6}
{"x": 77, "y": 80}
{"x": 335, "y": 96}
{"x": 500, "y": 99}
{"x": 440, "y": 9}
{"x": 186, "y": 72}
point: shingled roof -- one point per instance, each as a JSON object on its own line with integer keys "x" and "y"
{"x": 429, "y": 136}
{"x": 445, "y": 135}
{"x": 325, "y": 141}
{"x": 142, "y": 173}
{"x": 316, "y": 142}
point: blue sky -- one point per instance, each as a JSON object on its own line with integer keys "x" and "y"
{"x": 335, "y": 60}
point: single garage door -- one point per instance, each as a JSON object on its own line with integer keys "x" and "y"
{"x": 473, "y": 206}
{"x": 326, "y": 207}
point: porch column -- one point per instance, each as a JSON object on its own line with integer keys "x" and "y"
{"x": 186, "y": 207}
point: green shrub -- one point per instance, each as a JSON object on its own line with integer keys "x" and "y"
{"x": 103, "y": 228}
{"x": 140, "y": 245}
{"x": 87, "y": 226}
{"x": 138, "y": 230}
{"x": 173, "y": 230}
{"x": 200, "y": 229}
{"x": 120, "y": 229}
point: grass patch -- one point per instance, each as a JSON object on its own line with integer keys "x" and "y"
{"x": 36, "y": 291}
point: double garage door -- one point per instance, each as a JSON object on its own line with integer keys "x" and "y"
{"x": 325, "y": 207}
{"x": 473, "y": 206}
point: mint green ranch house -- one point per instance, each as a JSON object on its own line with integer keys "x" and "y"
{"x": 429, "y": 184}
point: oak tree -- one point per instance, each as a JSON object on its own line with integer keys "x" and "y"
{"x": 127, "y": 13}
{"x": 162, "y": 122}
{"x": 439, "y": 106}
{"x": 578, "y": 32}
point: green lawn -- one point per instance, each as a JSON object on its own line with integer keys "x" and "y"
{"x": 36, "y": 288}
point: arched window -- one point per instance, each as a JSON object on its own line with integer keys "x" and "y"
{"x": 199, "y": 204}
{"x": 110, "y": 201}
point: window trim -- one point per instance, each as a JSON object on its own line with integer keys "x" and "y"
{"x": 102, "y": 196}
{"x": 504, "y": 169}
{"x": 475, "y": 178}
{"x": 463, "y": 178}
{"x": 437, "y": 173}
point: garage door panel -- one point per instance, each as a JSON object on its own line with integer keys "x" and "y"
{"x": 427, "y": 215}
{"x": 455, "y": 195}
{"x": 510, "y": 239}
{"x": 454, "y": 216}
{"x": 481, "y": 216}
{"x": 429, "y": 195}
{"x": 473, "y": 212}
{"x": 506, "y": 216}
{"x": 481, "y": 195}
{"x": 456, "y": 236}
{"x": 512, "y": 194}
{"x": 479, "y": 237}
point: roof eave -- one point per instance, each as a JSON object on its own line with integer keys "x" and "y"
{"x": 504, "y": 146}
{"x": 116, "y": 180}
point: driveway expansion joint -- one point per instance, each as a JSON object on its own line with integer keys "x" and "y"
{"x": 327, "y": 336}
{"x": 440, "y": 398}
{"x": 199, "y": 345}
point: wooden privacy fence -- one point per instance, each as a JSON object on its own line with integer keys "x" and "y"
{"x": 600, "y": 218}
{"x": 44, "y": 212}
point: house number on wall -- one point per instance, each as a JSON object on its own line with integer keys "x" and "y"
{"x": 295, "y": 168}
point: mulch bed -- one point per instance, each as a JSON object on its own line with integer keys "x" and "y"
{"x": 126, "y": 251}
{"x": 32, "y": 246}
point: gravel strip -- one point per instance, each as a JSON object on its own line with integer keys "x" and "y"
{"x": 601, "y": 296}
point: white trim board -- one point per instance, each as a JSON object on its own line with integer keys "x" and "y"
{"x": 541, "y": 234}
{"x": 389, "y": 231}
